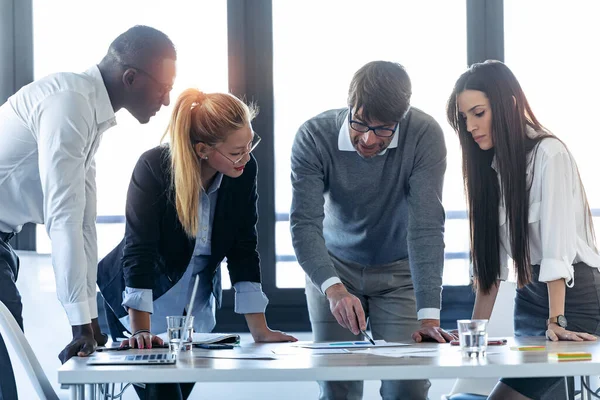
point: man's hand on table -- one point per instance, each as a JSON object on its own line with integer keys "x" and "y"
{"x": 430, "y": 331}
{"x": 82, "y": 345}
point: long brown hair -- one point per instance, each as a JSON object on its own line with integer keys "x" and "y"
{"x": 511, "y": 118}
{"x": 199, "y": 118}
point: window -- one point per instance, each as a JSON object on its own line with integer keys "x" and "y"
{"x": 556, "y": 70}
{"x": 63, "y": 42}
{"x": 312, "y": 71}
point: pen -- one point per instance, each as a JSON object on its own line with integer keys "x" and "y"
{"x": 368, "y": 337}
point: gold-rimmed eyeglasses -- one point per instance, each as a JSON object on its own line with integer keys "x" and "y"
{"x": 240, "y": 155}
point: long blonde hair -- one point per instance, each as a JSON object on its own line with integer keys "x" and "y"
{"x": 199, "y": 118}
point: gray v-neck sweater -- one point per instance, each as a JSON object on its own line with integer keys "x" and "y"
{"x": 370, "y": 211}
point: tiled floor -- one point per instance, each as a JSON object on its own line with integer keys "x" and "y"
{"x": 48, "y": 332}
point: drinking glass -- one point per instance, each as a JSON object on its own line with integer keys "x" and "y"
{"x": 473, "y": 337}
{"x": 176, "y": 334}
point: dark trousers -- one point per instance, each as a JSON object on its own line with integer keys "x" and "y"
{"x": 9, "y": 295}
{"x": 171, "y": 391}
{"x": 582, "y": 309}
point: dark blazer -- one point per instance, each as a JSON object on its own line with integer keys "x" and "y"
{"x": 156, "y": 250}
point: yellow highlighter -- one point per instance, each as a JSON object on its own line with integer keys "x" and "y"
{"x": 528, "y": 348}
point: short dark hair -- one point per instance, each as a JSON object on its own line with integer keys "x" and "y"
{"x": 382, "y": 89}
{"x": 141, "y": 46}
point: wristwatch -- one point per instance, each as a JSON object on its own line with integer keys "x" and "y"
{"x": 559, "y": 320}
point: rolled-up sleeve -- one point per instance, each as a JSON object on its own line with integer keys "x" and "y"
{"x": 557, "y": 219}
{"x": 138, "y": 299}
{"x": 249, "y": 298}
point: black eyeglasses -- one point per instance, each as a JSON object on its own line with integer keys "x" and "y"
{"x": 163, "y": 87}
{"x": 377, "y": 130}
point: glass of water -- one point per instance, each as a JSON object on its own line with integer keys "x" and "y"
{"x": 472, "y": 335}
{"x": 176, "y": 334}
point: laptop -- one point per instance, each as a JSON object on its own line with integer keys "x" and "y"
{"x": 125, "y": 357}
{"x": 110, "y": 358}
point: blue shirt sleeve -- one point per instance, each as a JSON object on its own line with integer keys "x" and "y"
{"x": 138, "y": 299}
{"x": 249, "y": 298}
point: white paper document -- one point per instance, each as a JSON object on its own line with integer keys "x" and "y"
{"x": 349, "y": 345}
{"x": 400, "y": 352}
{"x": 310, "y": 352}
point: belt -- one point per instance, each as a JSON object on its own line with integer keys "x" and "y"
{"x": 5, "y": 237}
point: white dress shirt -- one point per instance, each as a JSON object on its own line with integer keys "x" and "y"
{"x": 558, "y": 236}
{"x": 49, "y": 133}
{"x": 345, "y": 144}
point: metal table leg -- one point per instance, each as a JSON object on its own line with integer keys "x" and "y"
{"x": 91, "y": 392}
{"x": 77, "y": 392}
{"x": 586, "y": 394}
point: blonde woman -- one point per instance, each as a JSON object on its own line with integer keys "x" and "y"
{"x": 190, "y": 205}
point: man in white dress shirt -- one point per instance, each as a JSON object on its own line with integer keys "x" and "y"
{"x": 50, "y": 131}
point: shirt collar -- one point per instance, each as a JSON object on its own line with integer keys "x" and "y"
{"x": 532, "y": 133}
{"x": 216, "y": 184}
{"x": 104, "y": 108}
{"x": 345, "y": 144}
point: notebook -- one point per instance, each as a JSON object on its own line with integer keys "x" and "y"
{"x": 209, "y": 338}
{"x": 125, "y": 357}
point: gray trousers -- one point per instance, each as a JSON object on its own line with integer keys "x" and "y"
{"x": 387, "y": 296}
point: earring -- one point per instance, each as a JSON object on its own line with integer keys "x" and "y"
{"x": 205, "y": 158}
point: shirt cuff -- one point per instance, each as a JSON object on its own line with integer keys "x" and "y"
{"x": 329, "y": 283}
{"x": 428, "y": 313}
{"x": 249, "y": 298}
{"x": 138, "y": 299}
{"x": 553, "y": 269}
{"x": 93, "y": 305}
{"x": 78, "y": 313}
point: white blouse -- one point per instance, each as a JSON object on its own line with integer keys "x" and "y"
{"x": 558, "y": 235}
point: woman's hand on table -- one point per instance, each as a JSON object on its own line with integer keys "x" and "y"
{"x": 556, "y": 333}
{"x": 142, "y": 340}
{"x": 268, "y": 335}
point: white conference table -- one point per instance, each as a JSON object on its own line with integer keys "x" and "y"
{"x": 302, "y": 365}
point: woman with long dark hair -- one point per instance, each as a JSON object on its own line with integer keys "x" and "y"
{"x": 525, "y": 201}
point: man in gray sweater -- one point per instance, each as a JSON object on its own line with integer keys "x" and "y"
{"x": 367, "y": 220}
